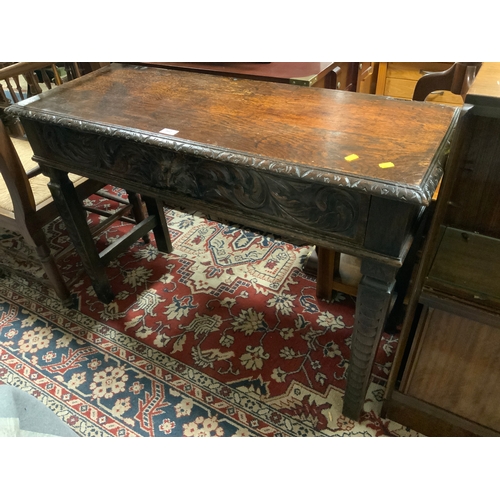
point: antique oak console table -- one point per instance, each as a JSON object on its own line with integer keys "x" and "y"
{"x": 346, "y": 171}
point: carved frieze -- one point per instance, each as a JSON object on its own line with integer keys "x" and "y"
{"x": 224, "y": 184}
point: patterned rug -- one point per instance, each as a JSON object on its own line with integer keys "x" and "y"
{"x": 223, "y": 337}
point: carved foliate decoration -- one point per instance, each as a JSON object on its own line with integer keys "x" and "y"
{"x": 222, "y": 184}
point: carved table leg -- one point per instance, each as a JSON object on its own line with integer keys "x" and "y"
{"x": 74, "y": 218}
{"x": 372, "y": 306}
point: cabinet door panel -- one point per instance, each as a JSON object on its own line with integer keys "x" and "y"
{"x": 454, "y": 365}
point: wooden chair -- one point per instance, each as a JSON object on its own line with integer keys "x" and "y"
{"x": 26, "y": 204}
{"x": 21, "y": 80}
{"x": 456, "y": 80}
{"x": 13, "y": 89}
{"x": 26, "y": 207}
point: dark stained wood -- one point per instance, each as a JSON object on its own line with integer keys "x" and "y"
{"x": 327, "y": 262}
{"x": 372, "y": 307}
{"x": 339, "y": 76}
{"x": 259, "y": 121}
{"x": 267, "y": 155}
{"x": 453, "y": 352}
{"x": 398, "y": 220}
{"x": 467, "y": 266}
{"x": 474, "y": 203}
{"x": 431, "y": 420}
{"x": 28, "y": 219}
{"x": 455, "y": 367}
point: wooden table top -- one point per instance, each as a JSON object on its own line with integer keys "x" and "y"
{"x": 287, "y": 129}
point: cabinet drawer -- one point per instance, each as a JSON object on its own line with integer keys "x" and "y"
{"x": 414, "y": 71}
{"x": 399, "y": 80}
{"x": 398, "y": 87}
{"x": 403, "y": 89}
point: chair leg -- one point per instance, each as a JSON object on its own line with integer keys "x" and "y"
{"x": 326, "y": 269}
{"x": 138, "y": 210}
{"x": 53, "y": 273}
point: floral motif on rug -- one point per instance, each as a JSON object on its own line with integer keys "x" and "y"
{"x": 222, "y": 337}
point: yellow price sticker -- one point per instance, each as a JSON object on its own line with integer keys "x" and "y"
{"x": 388, "y": 164}
{"x": 351, "y": 157}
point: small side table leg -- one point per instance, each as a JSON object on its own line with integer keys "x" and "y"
{"x": 372, "y": 306}
{"x": 74, "y": 218}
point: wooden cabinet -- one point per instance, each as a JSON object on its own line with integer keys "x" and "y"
{"x": 367, "y": 77}
{"x": 452, "y": 373}
{"x": 343, "y": 76}
{"x": 446, "y": 375}
{"x": 398, "y": 79}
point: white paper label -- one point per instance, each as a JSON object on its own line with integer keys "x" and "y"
{"x": 168, "y": 131}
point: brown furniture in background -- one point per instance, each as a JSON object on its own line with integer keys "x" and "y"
{"x": 12, "y": 91}
{"x": 367, "y": 76}
{"x": 222, "y": 145}
{"x": 446, "y": 376}
{"x": 456, "y": 80}
{"x": 331, "y": 75}
{"x": 399, "y": 79}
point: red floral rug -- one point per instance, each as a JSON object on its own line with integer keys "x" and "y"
{"x": 223, "y": 337}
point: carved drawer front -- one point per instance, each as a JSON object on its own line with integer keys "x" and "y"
{"x": 230, "y": 188}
